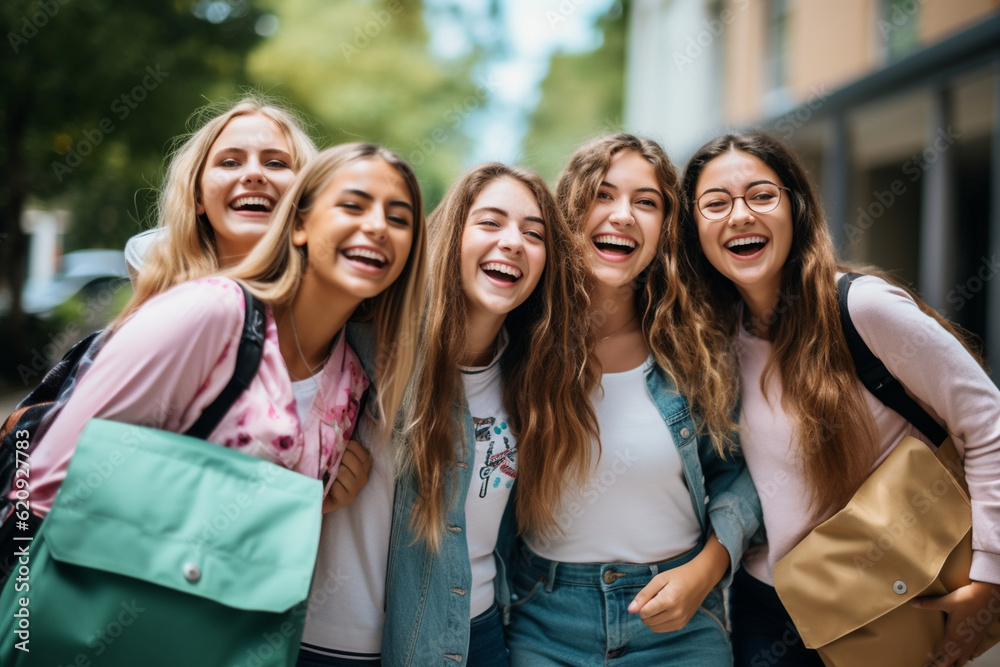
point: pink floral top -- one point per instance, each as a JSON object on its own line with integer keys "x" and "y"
{"x": 173, "y": 357}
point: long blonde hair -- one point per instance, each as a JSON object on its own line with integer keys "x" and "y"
{"x": 188, "y": 249}
{"x": 547, "y": 377}
{"x": 273, "y": 269}
{"x": 809, "y": 353}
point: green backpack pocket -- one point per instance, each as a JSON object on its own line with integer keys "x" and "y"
{"x": 162, "y": 549}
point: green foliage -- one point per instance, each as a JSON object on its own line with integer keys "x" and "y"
{"x": 93, "y": 92}
{"x": 582, "y": 98}
{"x": 364, "y": 71}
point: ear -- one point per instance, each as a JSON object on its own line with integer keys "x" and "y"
{"x": 299, "y": 235}
{"x": 199, "y": 208}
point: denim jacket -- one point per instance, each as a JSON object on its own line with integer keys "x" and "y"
{"x": 722, "y": 493}
{"x": 427, "y": 593}
{"x": 427, "y": 605}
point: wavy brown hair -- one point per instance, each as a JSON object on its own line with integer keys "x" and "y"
{"x": 820, "y": 388}
{"x": 663, "y": 304}
{"x": 547, "y": 377}
{"x": 273, "y": 270}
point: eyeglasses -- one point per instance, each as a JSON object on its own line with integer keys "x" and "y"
{"x": 760, "y": 198}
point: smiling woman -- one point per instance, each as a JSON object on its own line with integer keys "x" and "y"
{"x": 500, "y": 392}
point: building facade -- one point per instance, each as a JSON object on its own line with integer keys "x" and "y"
{"x": 894, "y": 105}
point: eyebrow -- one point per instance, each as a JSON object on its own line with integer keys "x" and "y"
{"x": 605, "y": 184}
{"x": 500, "y": 211}
{"x": 365, "y": 195}
{"x": 749, "y": 185}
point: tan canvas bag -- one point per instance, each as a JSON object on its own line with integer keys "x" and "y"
{"x": 906, "y": 533}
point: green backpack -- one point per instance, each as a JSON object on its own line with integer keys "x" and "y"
{"x": 164, "y": 550}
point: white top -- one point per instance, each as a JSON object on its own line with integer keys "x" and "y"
{"x": 492, "y": 475}
{"x": 347, "y": 599}
{"x": 635, "y": 508}
{"x": 935, "y": 369}
{"x": 304, "y": 392}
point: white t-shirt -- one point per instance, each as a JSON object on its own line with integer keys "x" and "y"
{"x": 635, "y": 507}
{"x": 347, "y": 599}
{"x": 305, "y": 392}
{"x": 492, "y": 476}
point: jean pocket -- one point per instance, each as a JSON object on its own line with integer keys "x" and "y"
{"x": 525, "y": 589}
{"x": 715, "y": 619}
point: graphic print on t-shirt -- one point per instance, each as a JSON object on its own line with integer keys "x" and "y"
{"x": 499, "y": 465}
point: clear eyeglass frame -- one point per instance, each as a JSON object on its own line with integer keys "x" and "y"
{"x": 750, "y": 198}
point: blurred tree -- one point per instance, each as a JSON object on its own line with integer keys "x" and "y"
{"x": 582, "y": 97}
{"x": 365, "y": 71}
{"x": 92, "y": 92}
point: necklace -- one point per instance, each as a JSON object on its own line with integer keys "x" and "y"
{"x": 627, "y": 322}
{"x": 295, "y": 335}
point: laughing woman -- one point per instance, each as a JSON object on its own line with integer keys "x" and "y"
{"x": 501, "y": 392}
{"x": 635, "y": 567}
{"x": 757, "y": 257}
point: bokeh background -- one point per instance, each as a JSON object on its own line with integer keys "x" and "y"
{"x": 892, "y": 103}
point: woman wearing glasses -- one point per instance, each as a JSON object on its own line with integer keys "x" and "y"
{"x": 758, "y": 260}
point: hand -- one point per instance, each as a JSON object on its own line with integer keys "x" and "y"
{"x": 971, "y": 611}
{"x": 355, "y": 466}
{"x": 671, "y": 598}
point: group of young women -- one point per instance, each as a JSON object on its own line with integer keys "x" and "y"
{"x": 634, "y": 352}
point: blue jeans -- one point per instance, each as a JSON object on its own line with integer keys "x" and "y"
{"x": 313, "y": 659}
{"x": 487, "y": 647}
{"x": 576, "y": 614}
{"x": 763, "y": 632}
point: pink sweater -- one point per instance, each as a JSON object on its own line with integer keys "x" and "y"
{"x": 935, "y": 369}
{"x": 173, "y": 357}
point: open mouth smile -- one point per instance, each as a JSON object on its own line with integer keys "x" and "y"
{"x": 615, "y": 245}
{"x": 746, "y": 246}
{"x": 367, "y": 257}
{"x": 252, "y": 204}
{"x": 501, "y": 272}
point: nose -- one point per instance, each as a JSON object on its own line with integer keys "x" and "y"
{"x": 510, "y": 239}
{"x": 741, "y": 213}
{"x": 374, "y": 224}
{"x": 253, "y": 172}
{"x": 621, "y": 214}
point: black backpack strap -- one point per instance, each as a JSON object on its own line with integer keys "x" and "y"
{"x": 247, "y": 361}
{"x": 877, "y": 378}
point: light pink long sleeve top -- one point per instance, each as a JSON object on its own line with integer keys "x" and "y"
{"x": 173, "y": 357}
{"x": 935, "y": 369}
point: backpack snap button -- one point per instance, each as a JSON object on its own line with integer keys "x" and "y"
{"x": 192, "y": 572}
{"x": 899, "y": 586}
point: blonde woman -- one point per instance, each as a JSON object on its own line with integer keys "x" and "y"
{"x": 347, "y": 241}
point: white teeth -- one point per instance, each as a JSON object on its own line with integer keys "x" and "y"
{"x": 746, "y": 240}
{"x": 365, "y": 253}
{"x": 252, "y": 201}
{"x": 610, "y": 239}
{"x": 502, "y": 268}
